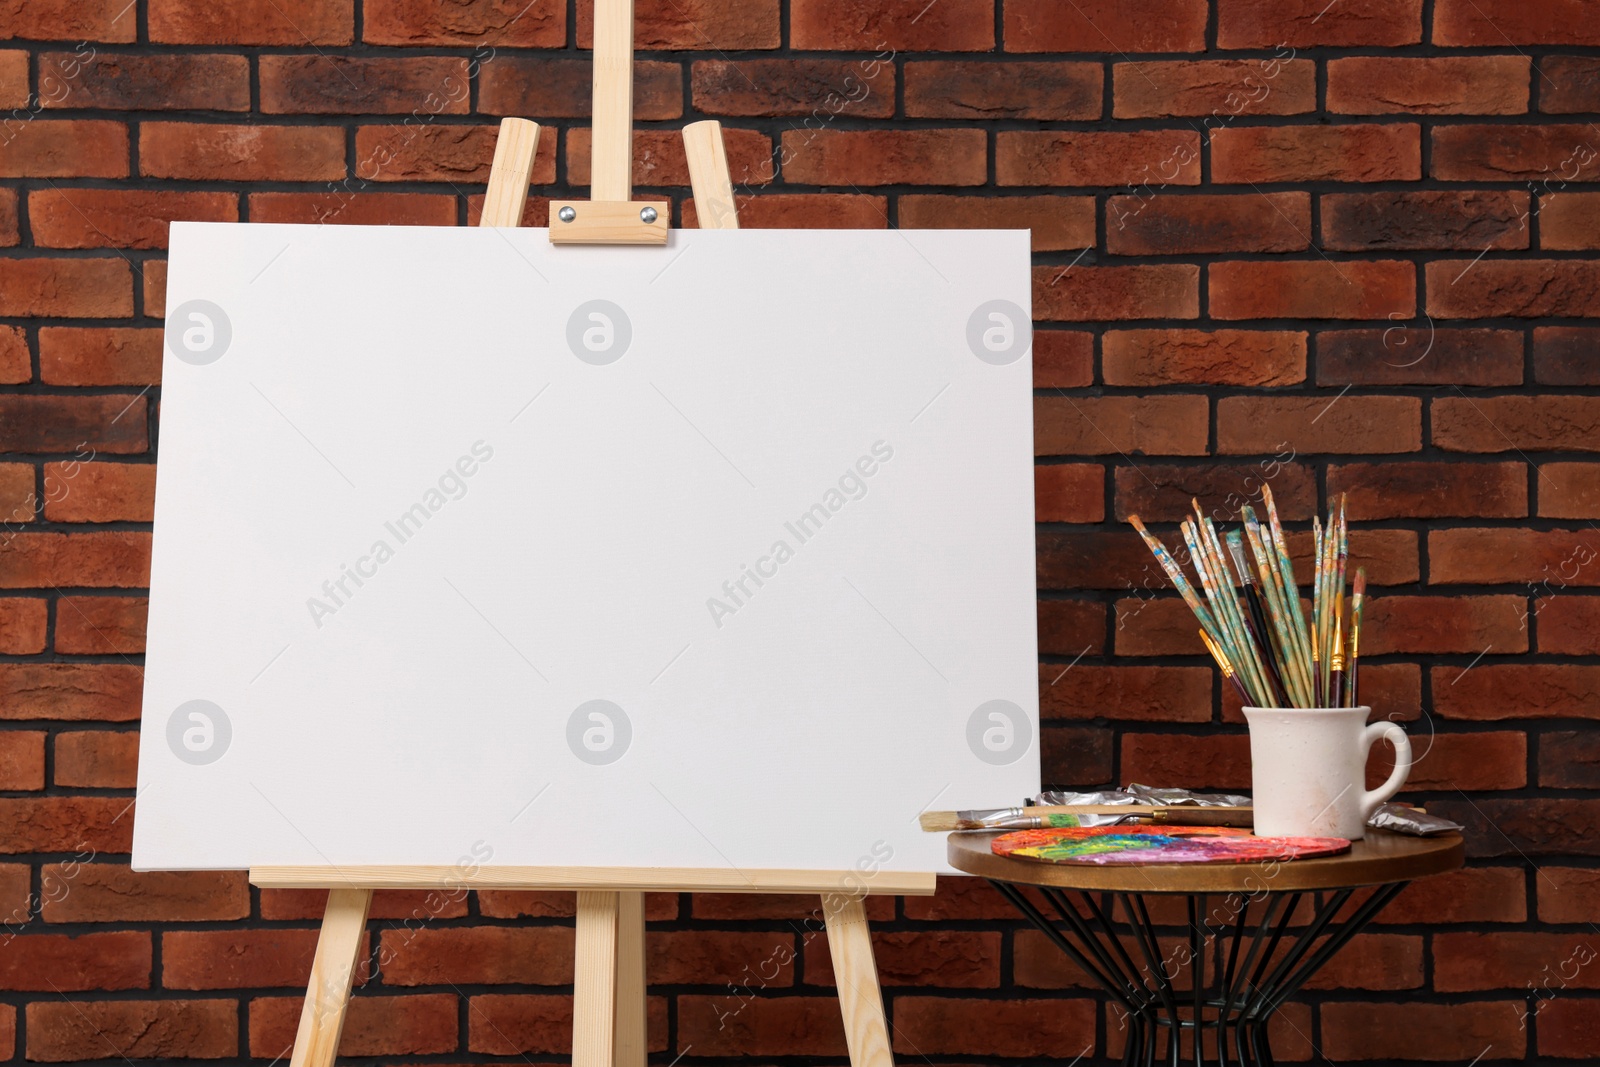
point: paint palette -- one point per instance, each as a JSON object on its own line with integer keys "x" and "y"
{"x": 1159, "y": 844}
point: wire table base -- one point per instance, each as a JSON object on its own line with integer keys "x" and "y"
{"x": 1242, "y": 963}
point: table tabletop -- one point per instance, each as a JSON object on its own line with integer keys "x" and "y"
{"x": 1380, "y": 857}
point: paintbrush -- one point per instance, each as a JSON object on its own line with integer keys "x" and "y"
{"x": 1227, "y": 668}
{"x": 1357, "y": 599}
{"x": 1276, "y": 663}
{"x": 1291, "y": 585}
{"x": 1336, "y": 667}
{"x": 1039, "y": 818}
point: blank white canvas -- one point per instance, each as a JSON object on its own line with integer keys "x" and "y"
{"x": 580, "y": 514}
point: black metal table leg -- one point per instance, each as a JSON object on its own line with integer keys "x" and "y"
{"x": 1231, "y": 991}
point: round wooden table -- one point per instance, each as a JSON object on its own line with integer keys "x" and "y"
{"x": 1244, "y": 957}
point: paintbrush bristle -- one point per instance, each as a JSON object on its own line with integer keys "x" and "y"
{"x": 939, "y": 822}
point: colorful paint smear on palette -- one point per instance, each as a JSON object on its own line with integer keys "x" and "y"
{"x": 1159, "y": 844}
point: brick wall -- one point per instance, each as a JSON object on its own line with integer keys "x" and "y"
{"x": 1340, "y": 246}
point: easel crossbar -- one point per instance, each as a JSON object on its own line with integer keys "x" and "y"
{"x": 611, "y": 879}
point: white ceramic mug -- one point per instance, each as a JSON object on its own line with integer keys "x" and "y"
{"x": 1308, "y": 770}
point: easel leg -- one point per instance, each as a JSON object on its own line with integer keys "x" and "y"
{"x": 866, "y": 1029}
{"x": 594, "y": 980}
{"x": 630, "y": 1048}
{"x": 332, "y": 972}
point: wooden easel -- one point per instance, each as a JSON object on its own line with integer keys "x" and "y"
{"x": 608, "y": 1017}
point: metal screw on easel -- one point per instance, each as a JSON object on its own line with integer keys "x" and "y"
{"x": 567, "y": 214}
{"x": 647, "y": 214}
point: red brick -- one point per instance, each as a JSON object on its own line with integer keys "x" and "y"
{"x": 1097, "y": 426}
{"x": 72, "y": 288}
{"x": 118, "y": 355}
{"x": 58, "y": 20}
{"x": 61, "y": 1030}
{"x": 100, "y": 625}
{"x": 884, "y": 26}
{"x": 374, "y": 1026}
{"x": 1312, "y": 289}
{"x": 1431, "y": 490}
{"x": 1469, "y": 895}
{"x": 1500, "y": 23}
{"x": 1062, "y": 359}
{"x": 58, "y": 963}
{"x": 1419, "y": 356}
{"x": 951, "y": 958}
{"x": 342, "y": 85}
{"x": 1517, "y": 691}
{"x": 1421, "y": 1031}
{"x": 1069, "y": 492}
{"x": 14, "y": 92}
{"x": 1499, "y": 153}
{"x": 16, "y": 363}
{"x": 806, "y": 908}
{"x": 540, "y": 955}
{"x": 235, "y": 959}
{"x": 155, "y": 288}
{"x": 367, "y": 209}
{"x": 1349, "y": 424}
{"x": 493, "y": 23}
{"x": 1569, "y": 759}
{"x": 1162, "y": 493}
{"x": 1056, "y": 222}
{"x": 1351, "y": 153}
{"x": 1012, "y": 1027}
{"x": 288, "y": 22}
{"x": 1567, "y": 894}
{"x": 658, "y": 157}
{"x": 166, "y": 82}
{"x": 959, "y": 897}
{"x": 1070, "y": 627}
{"x": 1567, "y": 1026}
{"x": 1515, "y": 829}
{"x": 1075, "y": 756}
{"x": 508, "y": 1024}
{"x": 21, "y": 761}
{"x": 409, "y": 905}
{"x": 734, "y": 1024}
{"x": 1134, "y": 694}
{"x": 1037, "y": 963}
{"x": 1569, "y": 221}
{"x": 99, "y": 492}
{"x": 722, "y": 25}
{"x": 438, "y": 153}
{"x": 1553, "y": 558}
{"x": 19, "y": 503}
{"x": 1569, "y": 84}
{"x": 1221, "y": 88}
{"x": 97, "y": 759}
{"x": 1475, "y": 219}
{"x": 804, "y": 211}
{"x": 64, "y": 148}
{"x": 1154, "y": 158}
{"x": 1568, "y": 623}
{"x": 1148, "y": 625}
{"x": 1308, "y": 23}
{"x": 1477, "y": 762}
{"x": 1395, "y": 689}
{"x": 1523, "y": 423}
{"x": 1221, "y": 357}
{"x": 968, "y": 89}
{"x": 553, "y": 87}
{"x": 120, "y": 218}
{"x": 1447, "y": 85}
{"x": 1569, "y": 490}
{"x": 1469, "y": 961}
{"x": 1183, "y": 224}
{"x": 65, "y": 824}
{"x": 884, "y": 157}
{"x": 34, "y": 560}
{"x": 1105, "y": 26}
{"x": 219, "y": 152}
{"x": 22, "y": 625}
{"x": 1139, "y": 291}
{"x": 1373, "y": 961}
{"x": 109, "y": 423}
{"x": 70, "y": 691}
{"x": 749, "y": 958}
{"x": 818, "y": 88}
{"x": 1214, "y": 762}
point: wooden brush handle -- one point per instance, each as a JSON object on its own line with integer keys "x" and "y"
{"x": 1194, "y": 816}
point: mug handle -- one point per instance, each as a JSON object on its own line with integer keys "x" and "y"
{"x": 1396, "y": 736}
